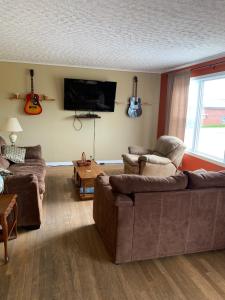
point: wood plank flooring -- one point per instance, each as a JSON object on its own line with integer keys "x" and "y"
{"x": 66, "y": 259}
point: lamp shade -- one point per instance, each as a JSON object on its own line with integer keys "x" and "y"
{"x": 12, "y": 125}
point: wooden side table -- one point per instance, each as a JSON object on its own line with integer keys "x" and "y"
{"x": 8, "y": 220}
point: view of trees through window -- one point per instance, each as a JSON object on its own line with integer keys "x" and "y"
{"x": 205, "y": 125}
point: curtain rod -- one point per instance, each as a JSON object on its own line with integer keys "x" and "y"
{"x": 209, "y": 65}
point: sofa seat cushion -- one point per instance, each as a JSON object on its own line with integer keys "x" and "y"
{"x": 132, "y": 159}
{"x": 38, "y": 170}
{"x": 204, "y": 179}
{"x": 128, "y": 184}
{"x": 34, "y": 162}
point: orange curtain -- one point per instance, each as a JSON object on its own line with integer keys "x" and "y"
{"x": 177, "y": 101}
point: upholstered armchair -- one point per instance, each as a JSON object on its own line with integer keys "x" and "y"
{"x": 164, "y": 160}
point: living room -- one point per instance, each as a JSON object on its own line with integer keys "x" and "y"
{"x": 118, "y": 243}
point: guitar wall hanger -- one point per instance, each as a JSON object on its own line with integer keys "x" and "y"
{"x": 18, "y": 96}
{"x": 125, "y": 103}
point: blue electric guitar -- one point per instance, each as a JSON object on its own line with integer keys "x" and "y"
{"x": 134, "y": 109}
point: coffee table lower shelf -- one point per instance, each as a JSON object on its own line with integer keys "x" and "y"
{"x": 86, "y": 193}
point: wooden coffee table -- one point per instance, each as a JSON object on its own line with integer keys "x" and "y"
{"x": 84, "y": 178}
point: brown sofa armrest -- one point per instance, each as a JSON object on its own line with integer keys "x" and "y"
{"x": 103, "y": 179}
{"x": 155, "y": 159}
{"x": 33, "y": 152}
{"x": 102, "y": 184}
{"x": 114, "y": 217}
{"x": 138, "y": 150}
{"x": 29, "y": 202}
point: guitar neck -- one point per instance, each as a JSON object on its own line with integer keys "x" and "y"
{"x": 32, "y": 85}
{"x": 135, "y": 86}
{"x": 32, "y": 81}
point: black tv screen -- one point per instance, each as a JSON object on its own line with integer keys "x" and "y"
{"x": 89, "y": 95}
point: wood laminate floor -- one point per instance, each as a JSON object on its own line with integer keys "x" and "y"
{"x": 66, "y": 259}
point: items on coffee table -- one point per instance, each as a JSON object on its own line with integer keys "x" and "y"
{"x": 8, "y": 220}
{"x": 83, "y": 161}
{"x": 84, "y": 177}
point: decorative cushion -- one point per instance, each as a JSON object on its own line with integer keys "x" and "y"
{"x": 4, "y": 172}
{"x": 199, "y": 171}
{"x": 202, "y": 179}
{"x": 14, "y": 154}
{"x": 4, "y": 163}
{"x": 128, "y": 184}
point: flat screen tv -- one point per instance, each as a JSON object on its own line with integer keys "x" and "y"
{"x": 89, "y": 95}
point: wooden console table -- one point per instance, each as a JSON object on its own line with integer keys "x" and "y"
{"x": 84, "y": 178}
{"x": 8, "y": 220}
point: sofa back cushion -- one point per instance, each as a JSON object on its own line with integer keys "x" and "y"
{"x": 170, "y": 147}
{"x": 4, "y": 163}
{"x": 33, "y": 152}
{"x": 129, "y": 183}
{"x": 204, "y": 179}
{"x": 2, "y": 143}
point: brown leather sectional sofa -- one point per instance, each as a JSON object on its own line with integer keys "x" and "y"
{"x": 141, "y": 217}
{"x": 28, "y": 182}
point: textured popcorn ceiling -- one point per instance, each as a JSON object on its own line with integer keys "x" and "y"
{"x": 148, "y": 35}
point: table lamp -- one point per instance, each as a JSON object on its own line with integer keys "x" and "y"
{"x": 12, "y": 125}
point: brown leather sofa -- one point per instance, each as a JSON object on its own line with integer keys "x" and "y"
{"x": 141, "y": 217}
{"x": 28, "y": 182}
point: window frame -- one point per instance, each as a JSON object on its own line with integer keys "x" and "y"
{"x": 197, "y": 126}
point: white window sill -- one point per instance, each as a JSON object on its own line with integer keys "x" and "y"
{"x": 208, "y": 159}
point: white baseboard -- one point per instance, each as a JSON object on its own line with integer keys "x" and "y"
{"x": 69, "y": 163}
{"x": 59, "y": 163}
{"x": 115, "y": 161}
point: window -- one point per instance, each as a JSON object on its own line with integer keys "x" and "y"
{"x": 205, "y": 123}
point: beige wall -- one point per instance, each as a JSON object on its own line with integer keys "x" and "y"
{"x": 53, "y": 129}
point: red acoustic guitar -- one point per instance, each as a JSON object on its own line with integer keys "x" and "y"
{"x": 32, "y": 106}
